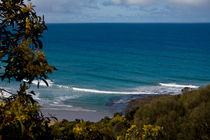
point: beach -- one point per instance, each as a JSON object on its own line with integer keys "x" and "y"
{"x": 72, "y": 115}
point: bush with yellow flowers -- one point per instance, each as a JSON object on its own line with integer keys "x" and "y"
{"x": 132, "y": 133}
{"x": 22, "y": 60}
{"x": 179, "y": 117}
{"x": 152, "y": 132}
{"x": 20, "y": 118}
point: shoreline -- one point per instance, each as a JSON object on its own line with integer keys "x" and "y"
{"x": 97, "y": 115}
{"x": 142, "y": 101}
{"x": 72, "y": 115}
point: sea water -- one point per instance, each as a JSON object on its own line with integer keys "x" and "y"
{"x": 101, "y": 67}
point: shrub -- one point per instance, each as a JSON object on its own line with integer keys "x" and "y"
{"x": 20, "y": 118}
{"x": 183, "y": 116}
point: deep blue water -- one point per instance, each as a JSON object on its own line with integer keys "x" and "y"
{"x": 101, "y": 64}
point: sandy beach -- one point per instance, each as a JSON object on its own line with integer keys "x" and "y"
{"x": 72, "y": 115}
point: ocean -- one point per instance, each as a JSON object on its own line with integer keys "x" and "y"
{"x": 102, "y": 67}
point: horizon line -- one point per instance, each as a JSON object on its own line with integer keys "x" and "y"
{"x": 127, "y": 22}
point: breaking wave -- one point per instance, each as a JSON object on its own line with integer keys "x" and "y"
{"x": 109, "y": 92}
{"x": 41, "y": 82}
{"x": 160, "y": 88}
{"x": 177, "y": 85}
{"x": 4, "y": 94}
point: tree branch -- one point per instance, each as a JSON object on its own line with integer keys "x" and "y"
{"x": 1, "y": 91}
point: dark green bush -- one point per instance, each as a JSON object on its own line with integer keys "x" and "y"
{"x": 183, "y": 116}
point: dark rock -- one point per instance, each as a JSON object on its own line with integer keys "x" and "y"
{"x": 186, "y": 89}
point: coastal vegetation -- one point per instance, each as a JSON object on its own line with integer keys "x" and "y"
{"x": 184, "y": 117}
{"x": 174, "y": 117}
{"x": 21, "y": 60}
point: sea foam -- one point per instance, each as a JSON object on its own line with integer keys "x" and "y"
{"x": 177, "y": 85}
{"x": 52, "y": 84}
{"x": 41, "y": 82}
{"x": 161, "y": 88}
{"x": 4, "y": 94}
{"x": 108, "y": 92}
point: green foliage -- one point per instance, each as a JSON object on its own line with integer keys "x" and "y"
{"x": 132, "y": 133}
{"x": 183, "y": 116}
{"x": 23, "y": 63}
{"x": 80, "y": 130}
{"x": 152, "y": 132}
{"x": 20, "y": 118}
{"x": 22, "y": 60}
{"x": 107, "y": 129}
{"x": 20, "y": 44}
{"x": 148, "y": 132}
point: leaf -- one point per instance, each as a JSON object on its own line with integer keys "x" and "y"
{"x": 45, "y": 82}
{"x": 33, "y": 93}
{"x": 22, "y": 127}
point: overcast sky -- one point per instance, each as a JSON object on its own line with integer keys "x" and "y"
{"x": 77, "y": 11}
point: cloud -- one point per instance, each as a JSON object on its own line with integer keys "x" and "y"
{"x": 124, "y": 10}
{"x": 190, "y": 2}
{"x": 128, "y": 2}
{"x": 63, "y": 6}
{"x": 150, "y": 2}
{"x": 138, "y": 1}
{"x": 116, "y": 1}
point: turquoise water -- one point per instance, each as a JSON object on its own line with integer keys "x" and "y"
{"x": 101, "y": 67}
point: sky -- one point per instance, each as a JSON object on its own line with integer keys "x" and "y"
{"x": 132, "y": 11}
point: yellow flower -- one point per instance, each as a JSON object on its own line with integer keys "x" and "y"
{"x": 77, "y": 129}
{"x": 27, "y": 8}
{"x": 2, "y": 105}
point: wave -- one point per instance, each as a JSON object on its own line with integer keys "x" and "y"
{"x": 51, "y": 84}
{"x": 41, "y": 82}
{"x": 36, "y": 96}
{"x": 60, "y": 105}
{"x": 62, "y": 86}
{"x": 4, "y": 94}
{"x": 75, "y": 109}
{"x": 64, "y": 98}
{"x": 109, "y": 92}
{"x": 177, "y": 85}
{"x": 159, "y": 88}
